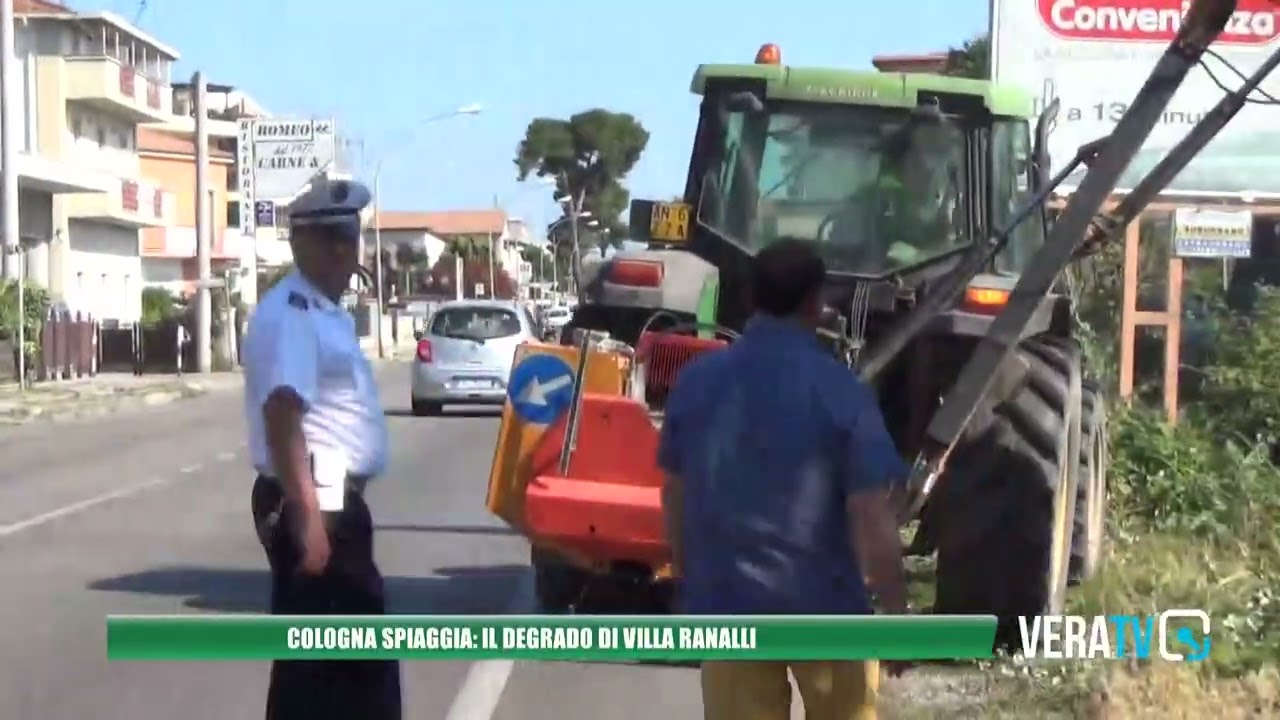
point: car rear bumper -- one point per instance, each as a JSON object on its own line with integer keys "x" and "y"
{"x": 445, "y": 385}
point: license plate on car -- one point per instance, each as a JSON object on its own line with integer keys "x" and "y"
{"x": 473, "y": 384}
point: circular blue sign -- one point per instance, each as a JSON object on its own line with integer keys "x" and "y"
{"x": 541, "y": 388}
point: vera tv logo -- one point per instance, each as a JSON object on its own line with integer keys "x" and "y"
{"x": 1253, "y": 23}
{"x": 1177, "y": 636}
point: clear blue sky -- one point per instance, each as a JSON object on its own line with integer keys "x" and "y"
{"x": 378, "y": 66}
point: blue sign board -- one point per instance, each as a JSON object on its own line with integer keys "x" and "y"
{"x": 264, "y": 213}
{"x": 541, "y": 388}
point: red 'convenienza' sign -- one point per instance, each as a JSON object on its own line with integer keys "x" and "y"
{"x": 1254, "y": 22}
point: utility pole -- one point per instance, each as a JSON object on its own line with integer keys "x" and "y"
{"x": 204, "y": 230}
{"x": 493, "y": 288}
{"x": 10, "y": 99}
{"x": 575, "y": 209}
{"x": 377, "y": 254}
{"x": 10, "y": 232}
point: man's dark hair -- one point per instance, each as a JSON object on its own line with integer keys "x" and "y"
{"x": 784, "y": 275}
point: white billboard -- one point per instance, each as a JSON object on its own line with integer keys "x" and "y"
{"x": 1094, "y": 55}
{"x": 276, "y": 159}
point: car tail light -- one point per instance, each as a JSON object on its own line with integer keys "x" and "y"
{"x": 636, "y": 273}
{"x": 424, "y": 351}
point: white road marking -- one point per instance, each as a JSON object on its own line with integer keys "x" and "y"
{"x": 481, "y": 689}
{"x": 190, "y": 469}
{"x": 77, "y": 507}
{"x": 226, "y": 456}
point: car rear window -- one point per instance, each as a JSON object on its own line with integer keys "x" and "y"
{"x": 558, "y": 313}
{"x": 480, "y": 323}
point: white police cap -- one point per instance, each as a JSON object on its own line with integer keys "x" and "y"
{"x": 329, "y": 202}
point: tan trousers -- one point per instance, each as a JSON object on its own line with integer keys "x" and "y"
{"x": 838, "y": 690}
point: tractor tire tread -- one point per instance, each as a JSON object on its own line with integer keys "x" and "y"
{"x": 996, "y": 501}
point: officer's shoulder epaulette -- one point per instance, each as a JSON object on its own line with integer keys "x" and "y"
{"x": 297, "y": 300}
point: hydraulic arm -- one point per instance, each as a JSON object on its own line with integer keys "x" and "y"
{"x": 1080, "y": 228}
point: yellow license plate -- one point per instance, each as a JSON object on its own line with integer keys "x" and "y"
{"x": 670, "y": 222}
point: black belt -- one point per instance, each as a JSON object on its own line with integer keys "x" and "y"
{"x": 356, "y": 483}
{"x": 266, "y": 523}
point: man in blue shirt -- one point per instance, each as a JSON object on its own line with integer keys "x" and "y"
{"x": 779, "y": 469}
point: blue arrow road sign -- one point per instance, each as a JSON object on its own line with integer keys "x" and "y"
{"x": 541, "y": 388}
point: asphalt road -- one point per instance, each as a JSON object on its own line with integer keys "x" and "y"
{"x": 148, "y": 512}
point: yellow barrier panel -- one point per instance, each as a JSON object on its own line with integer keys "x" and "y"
{"x": 537, "y": 395}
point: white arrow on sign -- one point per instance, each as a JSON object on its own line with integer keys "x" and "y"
{"x": 537, "y": 392}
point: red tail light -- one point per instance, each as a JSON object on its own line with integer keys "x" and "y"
{"x": 424, "y": 351}
{"x": 636, "y": 273}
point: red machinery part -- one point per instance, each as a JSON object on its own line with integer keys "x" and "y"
{"x": 608, "y": 506}
{"x": 665, "y": 354}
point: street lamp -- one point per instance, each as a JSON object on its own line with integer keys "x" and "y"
{"x": 472, "y": 109}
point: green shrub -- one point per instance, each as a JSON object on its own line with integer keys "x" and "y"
{"x": 159, "y": 305}
{"x": 1196, "y": 506}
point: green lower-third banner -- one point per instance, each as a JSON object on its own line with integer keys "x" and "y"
{"x": 537, "y": 637}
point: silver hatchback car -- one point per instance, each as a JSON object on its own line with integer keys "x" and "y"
{"x": 464, "y": 356}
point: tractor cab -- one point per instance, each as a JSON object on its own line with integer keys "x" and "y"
{"x": 894, "y": 176}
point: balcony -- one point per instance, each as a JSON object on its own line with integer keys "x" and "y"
{"x": 128, "y": 203}
{"x": 106, "y": 85}
{"x": 180, "y": 242}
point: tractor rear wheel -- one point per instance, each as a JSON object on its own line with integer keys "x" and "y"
{"x": 1003, "y": 510}
{"x": 1089, "y": 530}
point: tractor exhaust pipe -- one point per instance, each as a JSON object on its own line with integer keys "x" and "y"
{"x": 1204, "y": 21}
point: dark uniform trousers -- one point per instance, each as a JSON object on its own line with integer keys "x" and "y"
{"x": 350, "y": 585}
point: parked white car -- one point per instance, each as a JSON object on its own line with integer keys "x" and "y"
{"x": 556, "y": 317}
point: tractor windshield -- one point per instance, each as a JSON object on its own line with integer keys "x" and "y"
{"x": 877, "y": 189}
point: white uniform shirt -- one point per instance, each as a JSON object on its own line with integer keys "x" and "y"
{"x": 302, "y": 340}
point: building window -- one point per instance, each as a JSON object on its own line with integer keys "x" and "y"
{"x": 233, "y": 214}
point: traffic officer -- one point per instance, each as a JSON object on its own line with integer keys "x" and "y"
{"x": 317, "y": 436}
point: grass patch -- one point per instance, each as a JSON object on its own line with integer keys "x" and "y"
{"x": 1214, "y": 546}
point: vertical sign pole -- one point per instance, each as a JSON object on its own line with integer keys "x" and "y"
{"x": 248, "y": 206}
{"x": 377, "y": 260}
{"x": 10, "y": 232}
{"x": 9, "y": 103}
{"x": 204, "y": 311}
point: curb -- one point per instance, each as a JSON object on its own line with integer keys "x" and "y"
{"x": 77, "y": 408}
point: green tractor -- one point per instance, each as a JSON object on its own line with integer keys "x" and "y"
{"x": 926, "y": 197}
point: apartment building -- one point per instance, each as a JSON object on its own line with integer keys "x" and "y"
{"x": 169, "y": 253}
{"x": 95, "y": 78}
{"x": 403, "y": 230}
{"x": 226, "y": 105}
{"x": 515, "y": 239}
{"x": 40, "y": 178}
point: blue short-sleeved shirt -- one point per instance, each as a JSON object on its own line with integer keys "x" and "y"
{"x": 770, "y": 436}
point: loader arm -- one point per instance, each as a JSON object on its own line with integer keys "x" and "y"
{"x": 1081, "y": 222}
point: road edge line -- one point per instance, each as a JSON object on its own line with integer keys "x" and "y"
{"x": 79, "y": 507}
{"x": 481, "y": 689}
